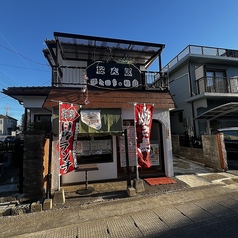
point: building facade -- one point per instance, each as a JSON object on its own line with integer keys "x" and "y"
{"x": 109, "y": 76}
{"x": 7, "y": 125}
{"x": 203, "y": 82}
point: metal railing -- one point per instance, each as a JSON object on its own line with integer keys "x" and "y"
{"x": 188, "y": 141}
{"x": 71, "y": 76}
{"x": 200, "y": 50}
{"x": 217, "y": 85}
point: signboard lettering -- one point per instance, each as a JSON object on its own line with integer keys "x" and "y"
{"x": 112, "y": 75}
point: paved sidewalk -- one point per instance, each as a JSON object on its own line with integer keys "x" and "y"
{"x": 142, "y": 216}
{"x": 200, "y": 193}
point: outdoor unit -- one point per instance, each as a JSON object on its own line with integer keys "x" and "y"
{"x": 233, "y": 84}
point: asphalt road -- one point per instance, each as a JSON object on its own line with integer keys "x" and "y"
{"x": 232, "y": 160}
{"x": 233, "y": 164}
{"x": 219, "y": 228}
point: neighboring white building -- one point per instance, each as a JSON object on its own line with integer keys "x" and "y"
{"x": 7, "y": 125}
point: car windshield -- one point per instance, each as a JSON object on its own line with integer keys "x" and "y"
{"x": 230, "y": 135}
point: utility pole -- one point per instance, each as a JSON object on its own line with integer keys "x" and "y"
{"x": 7, "y": 109}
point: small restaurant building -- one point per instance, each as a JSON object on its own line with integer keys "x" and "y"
{"x": 102, "y": 97}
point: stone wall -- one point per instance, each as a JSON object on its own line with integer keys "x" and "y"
{"x": 195, "y": 154}
{"x": 33, "y": 178}
{"x": 212, "y": 153}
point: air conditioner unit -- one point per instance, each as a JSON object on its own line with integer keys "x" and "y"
{"x": 233, "y": 84}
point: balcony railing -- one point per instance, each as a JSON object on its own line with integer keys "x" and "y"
{"x": 201, "y": 50}
{"x": 217, "y": 85}
{"x": 72, "y": 76}
{"x": 155, "y": 80}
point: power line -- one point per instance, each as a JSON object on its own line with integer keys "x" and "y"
{"x": 24, "y": 56}
{"x": 5, "y": 78}
{"x": 13, "y": 50}
{"x": 4, "y": 97}
{"x": 14, "y": 66}
{"x": 2, "y": 85}
{"x": 20, "y": 55}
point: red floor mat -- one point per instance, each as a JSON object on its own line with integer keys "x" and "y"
{"x": 159, "y": 181}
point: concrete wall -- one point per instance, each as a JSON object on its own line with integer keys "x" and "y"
{"x": 213, "y": 153}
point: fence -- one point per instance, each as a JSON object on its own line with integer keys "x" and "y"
{"x": 11, "y": 153}
{"x": 189, "y": 141}
{"x": 212, "y": 153}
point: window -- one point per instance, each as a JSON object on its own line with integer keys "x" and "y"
{"x": 0, "y": 121}
{"x": 156, "y": 144}
{"x": 94, "y": 150}
{"x": 216, "y": 82}
{"x": 40, "y": 118}
{"x": 230, "y": 135}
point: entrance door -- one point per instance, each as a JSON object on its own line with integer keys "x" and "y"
{"x": 157, "y": 153}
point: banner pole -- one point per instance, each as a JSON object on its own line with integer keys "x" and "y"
{"x": 137, "y": 169}
{"x": 68, "y": 115}
{"x": 59, "y": 144}
{"x": 127, "y": 160}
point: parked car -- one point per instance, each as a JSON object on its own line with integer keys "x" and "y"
{"x": 7, "y": 139}
{"x": 18, "y": 139}
{"x": 230, "y": 139}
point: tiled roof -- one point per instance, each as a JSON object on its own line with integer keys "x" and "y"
{"x": 11, "y": 91}
{"x": 7, "y": 117}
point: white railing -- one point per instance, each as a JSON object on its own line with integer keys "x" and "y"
{"x": 200, "y": 50}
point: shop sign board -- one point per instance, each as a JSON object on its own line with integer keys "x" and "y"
{"x": 113, "y": 75}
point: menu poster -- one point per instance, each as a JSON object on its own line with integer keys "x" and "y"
{"x": 129, "y": 125}
{"x": 154, "y": 154}
{"x": 94, "y": 147}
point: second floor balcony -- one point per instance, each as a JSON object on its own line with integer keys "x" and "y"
{"x": 80, "y": 61}
{"x": 71, "y": 76}
{"x": 217, "y": 85}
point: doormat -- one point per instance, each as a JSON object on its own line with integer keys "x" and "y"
{"x": 159, "y": 181}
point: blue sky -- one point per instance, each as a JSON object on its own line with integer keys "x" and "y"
{"x": 26, "y": 24}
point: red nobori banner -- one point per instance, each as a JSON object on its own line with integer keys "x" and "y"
{"x": 143, "y": 119}
{"x": 68, "y": 113}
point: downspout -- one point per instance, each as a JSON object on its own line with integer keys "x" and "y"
{"x": 191, "y": 94}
